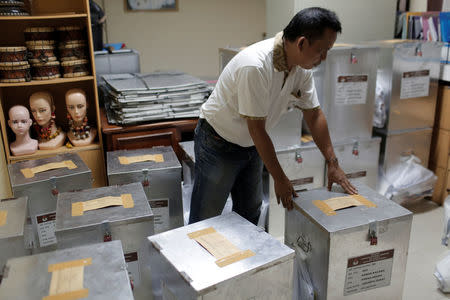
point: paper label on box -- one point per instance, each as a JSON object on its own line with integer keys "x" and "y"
{"x": 368, "y": 272}
{"x": 160, "y": 208}
{"x": 415, "y": 84}
{"x": 351, "y": 89}
{"x": 133, "y": 267}
{"x": 46, "y": 228}
{"x": 358, "y": 174}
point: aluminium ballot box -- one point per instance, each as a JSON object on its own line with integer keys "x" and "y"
{"x": 238, "y": 260}
{"x": 304, "y": 166}
{"x": 13, "y": 217}
{"x": 105, "y": 214}
{"x": 159, "y": 171}
{"x": 90, "y": 272}
{"x": 41, "y": 180}
{"x": 357, "y": 252}
{"x": 359, "y": 158}
{"x": 345, "y": 85}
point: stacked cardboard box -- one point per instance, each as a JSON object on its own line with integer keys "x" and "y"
{"x": 440, "y": 153}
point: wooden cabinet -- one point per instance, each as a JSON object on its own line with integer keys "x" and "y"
{"x": 53, "y": 13}
{"x": 167, "y": 133}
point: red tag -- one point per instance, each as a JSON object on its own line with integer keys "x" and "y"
{"x": 145, "y": 183}
{"x": 373, "y": 240}
{"x": 355, "y": 152}
{"x": 299, "y": 160}
{"x": 54, "y": 192}
{"x": 107, "y": 238}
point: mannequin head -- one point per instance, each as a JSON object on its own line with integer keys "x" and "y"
{"x": 76, "y": 104}
{"x": 19, "y": 120}
{"x": 42, "y": 108}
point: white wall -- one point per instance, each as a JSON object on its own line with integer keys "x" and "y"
{"x": 362, "y": 20}
{"x": 418, "y": 5}
{"x": 188, "y": 39}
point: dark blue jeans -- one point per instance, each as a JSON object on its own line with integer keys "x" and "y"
{"x": 222, "y": 167}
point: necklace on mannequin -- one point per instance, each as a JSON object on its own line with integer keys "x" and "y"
{"x": 79, "y": 132}
{"x": 45, "y": 133}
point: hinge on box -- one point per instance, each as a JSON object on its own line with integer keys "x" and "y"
{"x": 373, "y": 238}
{"x": 303, "y": 243}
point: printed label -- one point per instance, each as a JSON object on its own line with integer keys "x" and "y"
{"x": 46, "y": 229}
{"x": 356, "y": 174}
{"x": 369, "y": 271}
{"x": 133, "y": 267}
{"x": 160, "y": 208}
{"x": 415, "y": 84}
{"x": 351, "y": 89}
{"x": 302, "y": 181}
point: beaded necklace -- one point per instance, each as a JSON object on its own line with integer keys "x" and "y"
{"x": 45, "y": 133}
{"x": 79, "y": 132}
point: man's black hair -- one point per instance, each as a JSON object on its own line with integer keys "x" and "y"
{"x": 311, "y": 23}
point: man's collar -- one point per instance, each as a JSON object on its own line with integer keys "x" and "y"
{"x": 279, "y": 56}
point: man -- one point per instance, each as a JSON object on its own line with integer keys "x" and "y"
{"x": 256, "y": 87}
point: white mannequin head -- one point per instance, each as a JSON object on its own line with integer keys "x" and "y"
{"x": 19, "y": 120}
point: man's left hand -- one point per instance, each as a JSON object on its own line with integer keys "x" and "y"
{"x": 336, "y": 175}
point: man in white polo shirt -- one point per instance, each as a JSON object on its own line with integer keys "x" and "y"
{"x": 256, "y": 87}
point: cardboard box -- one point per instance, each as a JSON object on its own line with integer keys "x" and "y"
{"x": 443, "y": 108}
{"x": 440, "y": 148}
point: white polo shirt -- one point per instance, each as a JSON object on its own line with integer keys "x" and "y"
{"x": 253, "y": 85}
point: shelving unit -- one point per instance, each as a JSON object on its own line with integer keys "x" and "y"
{"x": 53, "y": 13}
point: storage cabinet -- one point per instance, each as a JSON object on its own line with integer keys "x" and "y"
{"x": 53, "y": 13}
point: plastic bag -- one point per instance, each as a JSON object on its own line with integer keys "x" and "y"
{"x": 409, "y": 180}
{"x": 302, "y": 287}
{"x": 446, "y": 235}
{"x": 379, "y": 114}
{"x": 442, "y": 274}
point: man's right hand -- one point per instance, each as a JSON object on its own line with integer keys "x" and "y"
{"x": 284, "y": 192}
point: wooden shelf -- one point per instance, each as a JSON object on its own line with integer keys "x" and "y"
{"x": 44, "y": 82}
{"x": 60, "y": 150}
{"x": 43, "y": 17}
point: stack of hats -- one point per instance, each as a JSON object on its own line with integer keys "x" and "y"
{"x": 41, "y": 42}
{"x": 14, "y": 66}
{"x": 73, "y": 51}
{"x": 13, "y": 8}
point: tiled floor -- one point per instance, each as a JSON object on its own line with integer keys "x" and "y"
{"x": 425, "y": 250}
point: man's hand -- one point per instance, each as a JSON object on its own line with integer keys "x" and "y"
{"x": 336, "y": 175}
{"x": 284, "y": 192}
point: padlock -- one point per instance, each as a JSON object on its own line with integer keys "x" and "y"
{"x": 107, "y": 237}
{"x": 355, "y": 150}
{"x": 145, "y": 182}
{"x": 298, "y": 157}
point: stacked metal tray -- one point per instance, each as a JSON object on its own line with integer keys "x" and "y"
{"x": 135, "y": 97}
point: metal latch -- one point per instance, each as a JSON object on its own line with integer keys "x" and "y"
{"x": 298, "y": 157}
{"x": 54, "y": 188}
{"x": 355, "y": 150}
{"x": 373, "y": 233}
{"x": 107, "y": 237}
{"x": 303, "y": 243}
{"x": 145, "y": 182}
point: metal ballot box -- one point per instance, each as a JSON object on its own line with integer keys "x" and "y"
{"x": 345, "y": 85}
{"x": 305, "y": 167}
{"x": 105, "y": 214}
{"x": 246, "y": 262}
{"x": 92, "y": 272}
{"x": 13, "y": 217}
{"x": 159, "y": 171}
{"x": 398, "y": 144}
{"x": 41, "y": 180}
{"x": 408, "y": 73}
{"x": 355, "y": 247}
{"x": 359, "y": 158}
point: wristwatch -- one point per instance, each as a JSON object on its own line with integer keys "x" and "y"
{"x": 333, "y": 160}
